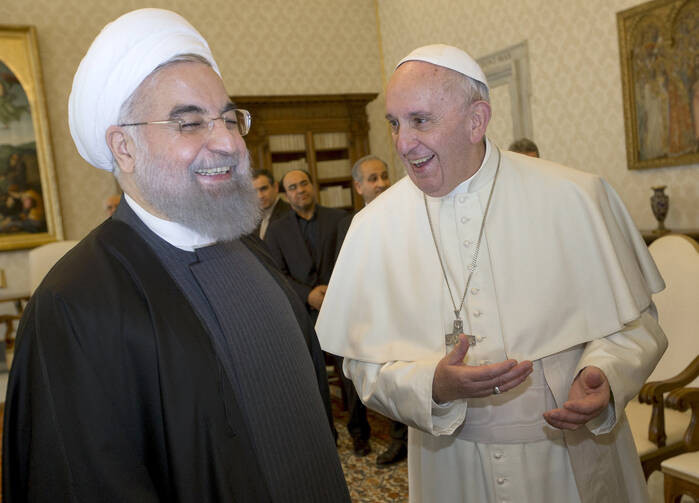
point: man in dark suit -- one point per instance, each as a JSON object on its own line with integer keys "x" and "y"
{"x": 304, "y": 244}
{"x": 272, "y": 206}
{"x": 370, "y": 175}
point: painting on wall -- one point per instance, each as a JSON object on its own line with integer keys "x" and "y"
{"x": 659, "y": 51}
{"x": 29, "y": 213}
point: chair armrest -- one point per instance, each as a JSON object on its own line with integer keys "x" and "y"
{"x": 652, "y": 392}
{"x": 683, "y": 399}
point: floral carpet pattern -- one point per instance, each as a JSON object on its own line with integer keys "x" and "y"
{"x": 368, "y": 482}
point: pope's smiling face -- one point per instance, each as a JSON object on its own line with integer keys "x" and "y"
{"x": 433, "y": 129}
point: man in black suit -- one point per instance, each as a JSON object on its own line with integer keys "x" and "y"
{"x": 370, "y": 175}
{"x": 272, "y": 206}
{"x": 304, "y": 244}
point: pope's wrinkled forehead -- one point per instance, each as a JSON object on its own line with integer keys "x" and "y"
{"x": 122, "y": 56}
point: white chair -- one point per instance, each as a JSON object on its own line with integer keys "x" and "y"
{"x": 681, "y": 472}
{"x": 43, "y": 258}
{"x": 658, "y": 432}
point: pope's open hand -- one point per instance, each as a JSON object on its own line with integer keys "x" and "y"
{"x": 588, "y": 398}
{"x": 453, "y": 379}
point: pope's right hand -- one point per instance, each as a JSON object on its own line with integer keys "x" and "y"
{"x": 453, "y": 379}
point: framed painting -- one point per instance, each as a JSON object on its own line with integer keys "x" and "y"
{"x": 29, "y": 211}
{"x": 659, "y": 51}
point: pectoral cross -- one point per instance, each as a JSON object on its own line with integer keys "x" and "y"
{"x": 452, "y": 338}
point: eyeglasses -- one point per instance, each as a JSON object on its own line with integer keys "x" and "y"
{"x": 194, "y": 125}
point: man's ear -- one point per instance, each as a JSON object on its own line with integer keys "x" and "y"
{"x": 480, "y": 117}
{"x": 357, "y": 187}
{"x": 122, "y": 148}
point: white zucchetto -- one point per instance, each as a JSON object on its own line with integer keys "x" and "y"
{"x": 448, "y": 57}
{"x": 125, "y": 52}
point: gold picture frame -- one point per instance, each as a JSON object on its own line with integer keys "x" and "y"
{"x": 29, "y": 208}
{"x": 658, "y": 43}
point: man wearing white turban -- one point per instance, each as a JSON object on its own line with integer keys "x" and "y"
{"x": 146, "y": 367}
{"x": 508, "y": 316}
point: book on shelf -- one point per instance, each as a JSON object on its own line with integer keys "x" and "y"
{"x": 328, "y": 141}
{"x": 336, "y": 197}
{"x": 279, "y": 169}
{"x": 334, "y": 169}
{"x": 287, "y": 143}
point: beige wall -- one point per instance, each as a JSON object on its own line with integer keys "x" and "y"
{"x": 315, "y": 46}
{"x": 262, "y": 47}
{"x": 576, "y": 94}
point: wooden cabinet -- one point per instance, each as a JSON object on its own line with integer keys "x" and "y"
{"x": 324, "y": 134}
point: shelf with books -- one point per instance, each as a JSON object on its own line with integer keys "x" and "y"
{"x": 323, "y": 134}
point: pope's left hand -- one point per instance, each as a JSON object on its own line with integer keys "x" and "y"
{"x": 588, "y": 398}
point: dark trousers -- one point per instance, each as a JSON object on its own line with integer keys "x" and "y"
{"x": 399, "y": 431}
{"x": 357, "y": 425}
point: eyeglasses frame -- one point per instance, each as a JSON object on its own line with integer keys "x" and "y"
{"x": 246, "y": 122}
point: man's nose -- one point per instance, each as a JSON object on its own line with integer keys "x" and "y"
{"x": 223, "y": 140}
{"x": 404, "y": 140}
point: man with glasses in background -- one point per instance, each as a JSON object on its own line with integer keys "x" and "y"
{"x": 145, "y": 369}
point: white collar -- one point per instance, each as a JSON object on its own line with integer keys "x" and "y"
{"x": 176, "y": 234}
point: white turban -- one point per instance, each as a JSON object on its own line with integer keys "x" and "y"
{"x": 448, "y": 57}
{"x": 124, "y": 53}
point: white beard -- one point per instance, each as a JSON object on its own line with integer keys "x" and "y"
{"x": 223, "y": 213}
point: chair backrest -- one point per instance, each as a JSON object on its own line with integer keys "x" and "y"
{"x": 677, "y": 258}
{"x": 42, "y": 259}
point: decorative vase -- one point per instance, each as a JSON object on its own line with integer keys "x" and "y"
{"x": 660, "y": 204}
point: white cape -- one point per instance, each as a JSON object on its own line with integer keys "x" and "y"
{"x": 568, "y": 263}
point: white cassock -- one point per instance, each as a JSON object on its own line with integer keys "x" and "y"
{"x": 563, "y": 279}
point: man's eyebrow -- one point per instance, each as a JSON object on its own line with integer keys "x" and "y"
{"x": 180, "y": 110}
{"x": 229, "y": 106}
{"x": 417, "y": 113}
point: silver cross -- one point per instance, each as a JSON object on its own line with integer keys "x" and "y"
{"x": 452, "y": 338}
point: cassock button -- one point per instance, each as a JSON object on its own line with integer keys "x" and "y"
{"x": 500, "y": 480}
{"x": 497, "y": 455}
{"x": 477, "y": 313}
{"x": 464, "y": 220}
{"x": 462, "y": 199}
{"x": 467, "y": 243}
{"x": 474, "y": 291}
{"x": 480, "y": 338}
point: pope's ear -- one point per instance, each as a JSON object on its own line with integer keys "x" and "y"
{"x": 480, "y": 117}
{"x": 121, "y": 146}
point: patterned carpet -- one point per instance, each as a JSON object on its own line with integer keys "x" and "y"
{"x": 369, "y": 483}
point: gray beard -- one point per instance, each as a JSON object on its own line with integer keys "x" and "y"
{"x": 225, "y": 213}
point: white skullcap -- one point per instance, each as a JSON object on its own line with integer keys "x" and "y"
{"x": 125, "y": 52}
{"x": 448, "y": 57}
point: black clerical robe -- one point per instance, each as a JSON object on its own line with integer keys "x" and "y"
{"x": 117, "y": 393}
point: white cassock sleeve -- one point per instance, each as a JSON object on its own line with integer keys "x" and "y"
{"x": 403, "y": 390}
{"x": 627, "y": 358}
